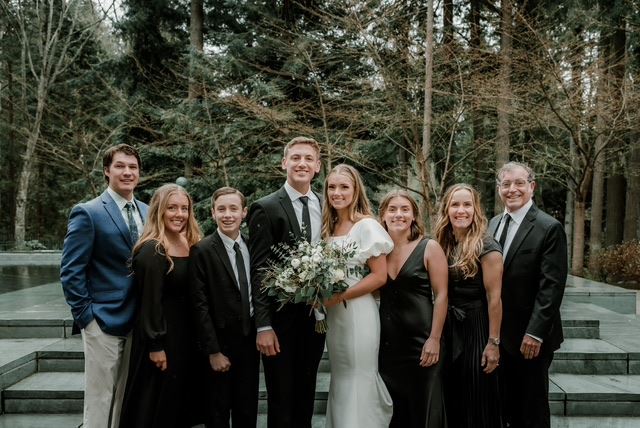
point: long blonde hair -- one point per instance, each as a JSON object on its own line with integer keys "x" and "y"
{"x": 359, "y": 208}
{"x": 154, "y": 229}
{"x": 463, "y": 255}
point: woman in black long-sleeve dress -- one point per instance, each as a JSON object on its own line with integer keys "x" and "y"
{"x": 475, "y": 311}
{"x": 162, "y": 387}
{"x": 413, "y": 307}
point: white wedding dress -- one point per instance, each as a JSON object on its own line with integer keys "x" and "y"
{"x": 358, "y": 397}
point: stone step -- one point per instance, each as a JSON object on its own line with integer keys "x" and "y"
{"x": 62, "y": 392}
{"x": 590, "y": 356}
{"x": 52, "y": 392}
{"x": 569, "y": 394}
{"x": 35, "y": 328}
{"x": 62, "y": 356}
{"x": 72, "y": 420}
{"x": 598, "y": 395}
{"x": 581, "y": 328}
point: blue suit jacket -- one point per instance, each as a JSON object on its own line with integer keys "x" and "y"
{"x": 96, "y": 270}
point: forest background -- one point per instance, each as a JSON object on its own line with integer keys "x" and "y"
{"x": 416, "y": 94}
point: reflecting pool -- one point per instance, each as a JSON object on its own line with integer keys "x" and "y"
{"x": 19, "y": 277}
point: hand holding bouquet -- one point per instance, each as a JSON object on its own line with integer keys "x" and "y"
{"x": 308, "y": 273}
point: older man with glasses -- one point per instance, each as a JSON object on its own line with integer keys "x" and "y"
{"x": 535, "y": 271}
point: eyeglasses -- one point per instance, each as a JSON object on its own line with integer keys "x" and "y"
{"x": 518, "y": 183}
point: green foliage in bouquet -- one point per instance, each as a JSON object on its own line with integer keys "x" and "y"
{"x": 308, "y": 273}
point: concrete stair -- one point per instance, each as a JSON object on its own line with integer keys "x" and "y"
{"x": 595, "y": 376}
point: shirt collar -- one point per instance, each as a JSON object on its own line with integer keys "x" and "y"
{"x": 519, "y": 214}
{"x": 294, "y": 194}
{"x": 118, "y": 199}
{"x": 228, "y": 242}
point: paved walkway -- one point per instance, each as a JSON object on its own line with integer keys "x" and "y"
{"x": 603, "y": 343}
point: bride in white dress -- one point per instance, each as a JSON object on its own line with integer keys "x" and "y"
{"x": 358, "y": 397}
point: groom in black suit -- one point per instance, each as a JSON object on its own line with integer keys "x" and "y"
{"x": 535, "y": 271}
{"x": 291, "y": 349}
{"x": 223, "y": 310}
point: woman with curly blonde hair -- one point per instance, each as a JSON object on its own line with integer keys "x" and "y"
{"x": 475, "y": 310}
{"x": 162, "y": 388}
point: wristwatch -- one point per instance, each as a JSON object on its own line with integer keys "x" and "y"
{"x": 494, "y": 341}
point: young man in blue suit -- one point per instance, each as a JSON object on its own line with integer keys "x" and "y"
{"x": 98, "y": 284}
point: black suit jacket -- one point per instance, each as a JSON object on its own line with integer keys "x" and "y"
{"x": 215, "y": 293}
{"x": 272, "y": 220}
{"x": 533, "y": 281}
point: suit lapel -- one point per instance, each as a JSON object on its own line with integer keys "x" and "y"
{"x": 114, "y": 212}
{"x": 287, "y": 207}
{"x": 521, "y": 234}
{"x": 221, "y": 250}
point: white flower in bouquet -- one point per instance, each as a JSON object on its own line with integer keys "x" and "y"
{"x": 309, "y": 274}
{"x": 337, "y": 275}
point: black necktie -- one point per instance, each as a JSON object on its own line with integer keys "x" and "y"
{"x": 505, "y": 228}
{"x": 133, "y": 227}
{"x": 244, "y": 289}
{"x": 306, "y": 218}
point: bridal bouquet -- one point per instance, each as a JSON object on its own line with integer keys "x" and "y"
{"x": 308, "y": 273}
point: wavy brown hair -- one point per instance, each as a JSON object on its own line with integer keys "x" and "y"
{"x": 360, "y": 206}
{"x": 417, "y": 227}
{"x": 463, "y": 255}
{"x": 154, "y": 229}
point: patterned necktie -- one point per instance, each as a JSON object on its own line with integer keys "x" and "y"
{"x": 133, "y": 227}
{"x": 243, "y": 283}
{"x": 306, "y": 218}
{"x": 505, "y": 228}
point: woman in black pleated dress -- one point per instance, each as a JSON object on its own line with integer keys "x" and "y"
{"x": 475, "y": 311}
{"x": 413, "y": 307}
{"x": 163, "y": 388}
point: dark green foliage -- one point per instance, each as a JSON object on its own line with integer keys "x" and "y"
{"x": 349, "y": 74}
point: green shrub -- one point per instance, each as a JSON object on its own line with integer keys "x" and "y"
{"x": 620, "y": 263}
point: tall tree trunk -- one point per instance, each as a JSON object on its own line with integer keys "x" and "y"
{"x": 447, "y": 18}
{"x": 28, "y": 165}
{"x": 597, "y": 203}
{"x": 615, "y": 209}
{"x": 568, "y": 223}
{"x": 504, "y": 106}
{"x": 7, "y": 152}
{"x": 616, "y": 183}
{"x": 597, "y": 189}
{"x": 577, "y": 260}
{"x": 481, "y": 166}
{"x": 197, "y": 46}
{"x": 632, "y": 210}
{"x": 58, "y": 44}
{"x": 196, "y": 40}
{"x": 425, "y": 161}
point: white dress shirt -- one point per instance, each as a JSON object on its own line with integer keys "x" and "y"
{"x": 516, "y": 220}
{"x": 121, "y": 202}
{"x": 231, "y": 252}
{"x": 315, "y": 210}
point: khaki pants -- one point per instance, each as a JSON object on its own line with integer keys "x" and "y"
{"x": 106, "y": 365}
